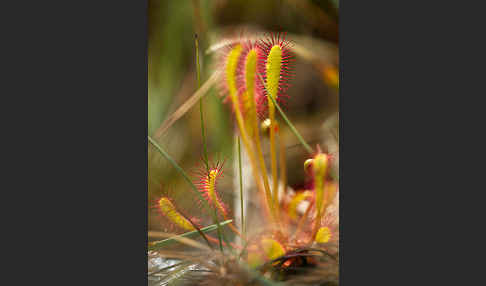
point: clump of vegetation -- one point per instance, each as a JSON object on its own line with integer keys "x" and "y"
{"x": 299, "y": 242}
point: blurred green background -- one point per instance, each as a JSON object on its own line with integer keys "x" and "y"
{"x": 172, "y": 25}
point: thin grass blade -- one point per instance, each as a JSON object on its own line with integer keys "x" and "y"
{"x": 286, "y": 119}
{"x": 171, "y": 119}
{"x": 163, "y": 243}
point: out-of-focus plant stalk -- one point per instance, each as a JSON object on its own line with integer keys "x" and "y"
{"x": 243, "y": 227}
{"x": 283, "y": 166}
{"x": 273, "y": 156}
{"x": 320, "y": 167}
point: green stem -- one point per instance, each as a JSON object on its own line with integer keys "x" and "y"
{"x": 205, "y": 150}
{"x": 243, "y": 229}
{"x": 198, "y": 75}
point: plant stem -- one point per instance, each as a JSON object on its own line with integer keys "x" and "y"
{"x": 205, "y": 150}
{"x": 283, "y": 166}
{"x": 198, "y": 75}
{"x": 273, "y": 157}
{"x": 243, "y": 229}
{"x": 261, "y": 160}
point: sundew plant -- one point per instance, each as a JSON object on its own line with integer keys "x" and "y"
{"x": 254, "y": 74}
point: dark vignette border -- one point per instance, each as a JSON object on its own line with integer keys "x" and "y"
{"x": 402, "y": 109}
{"x": 80, "y": 146}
